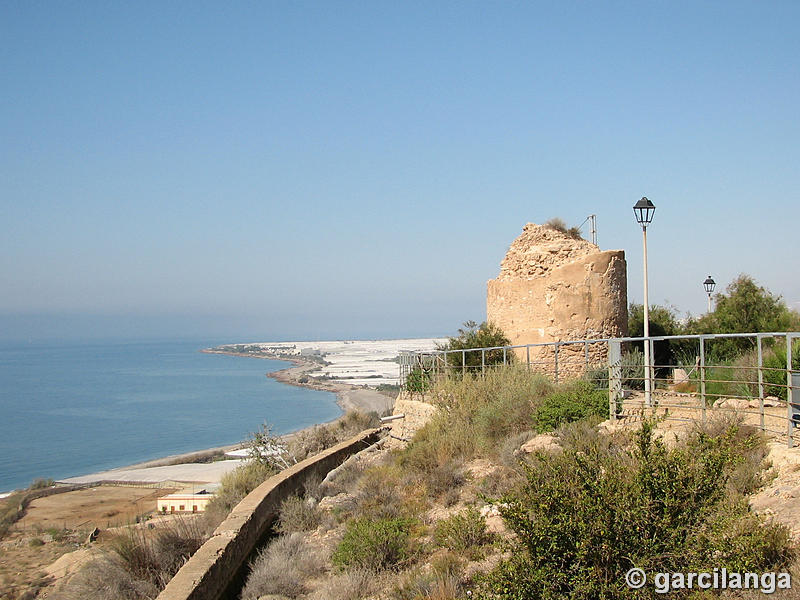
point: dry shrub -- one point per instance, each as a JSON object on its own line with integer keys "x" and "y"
{"x": 282, "y": 568}
{"x": 139, "y": 564}
{"x": 105, "y": 579}
{"x": 234, "y": 486}
{"x": 388, "y": 492}
{"x": 298, "y": 514}
{"x": 477, "y": 414}
{"x": 316, "y": 439}
{"x": 429, "y": 584}
{"x": 349, "y": 585}
{"x": 346, "y": 477}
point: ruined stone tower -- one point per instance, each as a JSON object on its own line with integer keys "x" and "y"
{"x": 552, "y": 287}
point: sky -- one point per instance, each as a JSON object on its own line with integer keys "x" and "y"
{"x": 318, "y": 170}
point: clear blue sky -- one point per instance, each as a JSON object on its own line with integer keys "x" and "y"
{"x": 351, "y": 169}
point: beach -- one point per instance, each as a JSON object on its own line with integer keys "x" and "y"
{"x": 198, "y": 467}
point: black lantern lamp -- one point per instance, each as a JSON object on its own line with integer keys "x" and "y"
{"x": 709, "y": 284}
{"x": 644, "y": 211}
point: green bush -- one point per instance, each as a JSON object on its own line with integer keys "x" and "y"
{"x": 472, "y": 335}
{"x": 775, "y": 369}
{"x": 477, "y": 414}
{"x": 39, "y": 484}
{"x": 577, "y": 401}
{"x": 418, "y": 381}
{"x": 374, "y": 544}
{"x": 463, "y": 531}
{"x": 745, "y": 307}
{"x": 588, "y": 515}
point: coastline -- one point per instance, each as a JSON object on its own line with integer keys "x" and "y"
{"x": 348, "y": 397}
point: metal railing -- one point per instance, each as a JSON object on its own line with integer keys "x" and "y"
{"x": 756, "y": 375}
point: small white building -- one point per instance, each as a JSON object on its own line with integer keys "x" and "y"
{"x": 184, "y": 502}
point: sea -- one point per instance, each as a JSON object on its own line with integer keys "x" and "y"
{"x": 69, "y": 409}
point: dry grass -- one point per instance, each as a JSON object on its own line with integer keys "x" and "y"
{"x": 234, "y": 486}
{"x": 283, "y": 567}
{"x": 298, "y": 514}
{"x": 350, "y": 585}
{"x": 138, "y": 565}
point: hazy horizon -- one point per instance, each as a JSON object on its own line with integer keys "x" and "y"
{"x": 316, "y": 170}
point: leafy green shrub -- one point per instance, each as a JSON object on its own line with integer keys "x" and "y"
{"x": 577, "y": 401}
{"x": 374, "y": 544}
{"x": 418, "y": 381}
{"x": 297, "y": 514}
{"x": 472, "y": 335}
{"x": 745, "y": 307}
{"x": 775, "y": 369}
{"x": 589, "y": 514}
{"x": 463, "y": 531}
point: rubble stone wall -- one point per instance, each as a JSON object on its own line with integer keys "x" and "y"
{"x": 553, "y": 288}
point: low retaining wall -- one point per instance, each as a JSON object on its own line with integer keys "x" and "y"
{"x": 217, "y": 570}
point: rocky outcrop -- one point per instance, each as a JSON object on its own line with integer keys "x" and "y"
{"x": 552, "y": 287}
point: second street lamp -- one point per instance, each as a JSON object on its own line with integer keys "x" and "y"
{"x": 709, "y": 284}
{"x": 644, "y": 211}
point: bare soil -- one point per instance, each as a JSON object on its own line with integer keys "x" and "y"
{"x": 57, "y": 525}
{"x": 100, "y": 507}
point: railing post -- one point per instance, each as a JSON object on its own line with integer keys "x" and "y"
{"x": 483, "y": 361}
{"x": 585, "y": 357}
{"x": 760, "y": 380}
{"x": 528, "y": 356}
{"x": 646, "y": 347}
{"x": 445, "y": 364}
{"x": 703, "y": 375}
{"x": 789, "y": 407}
{"x": 614, "y": 377}
{"x": 463, "y": 362}
{"x": 505, "y": 356}
{"x": 555, "y": 364}
{"x": 651, "y": 371}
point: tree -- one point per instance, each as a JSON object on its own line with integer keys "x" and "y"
{"x": 472, "y": 335}
{"x": 663, "y": 321}
{"x": 746, "y": 307}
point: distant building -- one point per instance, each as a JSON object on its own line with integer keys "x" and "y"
{"x": 310, "y": 352}
{"x": 184, "y": 502}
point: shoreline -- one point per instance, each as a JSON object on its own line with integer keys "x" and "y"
{"x": 348, "y": 397}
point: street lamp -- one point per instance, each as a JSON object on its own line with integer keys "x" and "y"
{"x": 644, "y": 210}
{"x": 709, "y": 284}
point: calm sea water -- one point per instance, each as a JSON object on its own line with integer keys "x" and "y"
{"x": 70, "y": 410}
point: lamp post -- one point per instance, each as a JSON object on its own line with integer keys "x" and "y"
{"x": 709, "y": 284}
{"x": 644, "y": 210}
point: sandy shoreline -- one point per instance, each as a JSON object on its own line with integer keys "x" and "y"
{"x": 174, "y": 467}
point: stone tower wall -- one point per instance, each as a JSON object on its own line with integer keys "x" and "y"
{"x": 555, "y": 288}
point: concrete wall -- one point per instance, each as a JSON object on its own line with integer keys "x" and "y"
{"x": 217, "y": 570}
